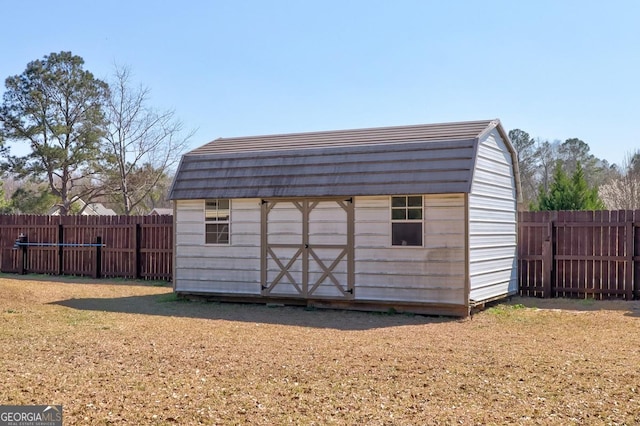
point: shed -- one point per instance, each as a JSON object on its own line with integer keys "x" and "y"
{"x": 86, "y": 209}
{"x": 159, "y": 211}
{"x": 417, "y": 218}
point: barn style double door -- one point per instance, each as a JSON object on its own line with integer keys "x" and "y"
{"x": 307, "y": 248}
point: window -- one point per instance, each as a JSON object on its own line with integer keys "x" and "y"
{"x": 406, "y": 220}
{"x": 216, "y": 218}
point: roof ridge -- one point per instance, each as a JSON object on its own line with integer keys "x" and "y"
{"x": 350, "y": 137}
{"x": 361, "y": 129}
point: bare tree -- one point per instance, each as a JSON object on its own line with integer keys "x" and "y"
{"x": 158, "y": 197}
{"x": 623, "y": 192}
{"x": 526, "y": 151}
{"x": 547, "y": 155}
{"x": 142, "y": 144}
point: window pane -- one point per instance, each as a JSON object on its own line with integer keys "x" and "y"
{"x": 398, "y": 214}
{"x": 415, "y": 213}
{"x": 415, "y": 201}
{"x": 216, "y": 210}
{"x": 217, "y": 233}
{"x": 218, "y": 216}
{"x": 406, "y": 234}
{"x": 398, "y": 201}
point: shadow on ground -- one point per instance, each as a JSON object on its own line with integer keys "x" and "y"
{"x": 77, "y": 279}
{"x": 167, "y": 305}
{"x": 632, "y": 308}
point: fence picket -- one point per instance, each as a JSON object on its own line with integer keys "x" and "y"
{"x": 566, "y": 254}
{"x": 595, "y": 254}
{"x": 117, "y": 233}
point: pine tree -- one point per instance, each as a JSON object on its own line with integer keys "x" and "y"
{"x": 55, "y": 107}
{"x": 568, "y": 193}
{"x": 584, "y": 198}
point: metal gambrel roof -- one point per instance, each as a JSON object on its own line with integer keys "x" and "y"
{"x": 419, "y": 159}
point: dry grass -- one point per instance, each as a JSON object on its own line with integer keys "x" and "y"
{"x": 129, "y": 353}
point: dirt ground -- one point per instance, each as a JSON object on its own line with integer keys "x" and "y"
{"x": 116, "y": 352}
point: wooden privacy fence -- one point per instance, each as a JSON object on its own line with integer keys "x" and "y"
{"x": 96, "y": 246}
{"x": 560, "y": 254}
{"x": 584, "y": 254}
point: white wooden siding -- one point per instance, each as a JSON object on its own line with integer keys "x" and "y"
{"x": 233, "y": 268}
{"x": 434, "y": 273}
{"x": 492, "y": 222}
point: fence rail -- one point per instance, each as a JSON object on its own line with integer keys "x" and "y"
{"x": 97, "y": 246}
{"x": 581, "y": 254}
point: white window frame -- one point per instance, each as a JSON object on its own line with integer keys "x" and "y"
{"x": 217, "y": 219}
{"x": 393, "y": 219}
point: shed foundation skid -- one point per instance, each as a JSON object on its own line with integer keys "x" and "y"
{"x": 430, "y": 309}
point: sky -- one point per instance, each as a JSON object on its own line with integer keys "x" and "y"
{"x": 555, "y": 69}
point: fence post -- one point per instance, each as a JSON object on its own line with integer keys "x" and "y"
{"x": 60, "y": 249}
{"x": 138, "y": 251}
{"x": 547, "y": 260}
{"x": 97, "y": 272}
{"x": 629, "y": 270}
{"x": 22, "y": 270}
{"x": 634, "y": 259}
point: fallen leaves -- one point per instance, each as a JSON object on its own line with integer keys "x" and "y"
{"x": 124, "y": 353}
